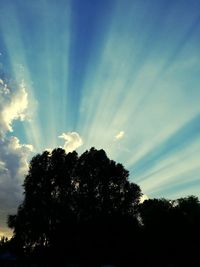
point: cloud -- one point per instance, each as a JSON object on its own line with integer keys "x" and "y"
{"x": 13, "y": 157}
{"x": 13, "y": 166}
{"x": 119, "y": 136}
{"x": 13, "y": 154}
{"x": 143, "y": 198}
{"x": 72, "y": 141}
{"x": 13, "y": 105}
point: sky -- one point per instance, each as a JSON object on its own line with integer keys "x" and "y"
{"x": 122, "y": 75}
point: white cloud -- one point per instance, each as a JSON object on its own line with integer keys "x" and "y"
{"x": 119, "y": 136}
{"x": 13, "y": 157}
{"x": 13, "y": 166}
{"x": 13, "y": 105}
{"x": 143, "y": 198}
{"x": 13, "y": 154}
{"x": 72, "y": 141}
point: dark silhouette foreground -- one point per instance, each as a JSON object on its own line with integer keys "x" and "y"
{"x": 84, "y": 210}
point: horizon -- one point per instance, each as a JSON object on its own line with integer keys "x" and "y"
{"x": 122, "y": 76}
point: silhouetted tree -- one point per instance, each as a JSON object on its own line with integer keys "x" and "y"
{"x": 3, "y": 243}
{"x": 73, "y": 205}
{"x": 171, "y": 231}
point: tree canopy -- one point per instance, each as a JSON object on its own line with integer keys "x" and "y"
{"x": 85, "y": 209}
{"x": 171, "y": 228}
{"x": 71, "y": 199}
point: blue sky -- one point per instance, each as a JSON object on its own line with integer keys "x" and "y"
{"x": 118, "y": 75}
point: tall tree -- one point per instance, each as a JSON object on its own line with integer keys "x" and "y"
{"x": 69, "y": 200}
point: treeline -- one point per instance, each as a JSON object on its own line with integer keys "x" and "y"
{"x": 84, "y": 210}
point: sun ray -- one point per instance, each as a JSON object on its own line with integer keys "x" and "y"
{"x": 15, "y": 50}
{"x": 110, "y": 67}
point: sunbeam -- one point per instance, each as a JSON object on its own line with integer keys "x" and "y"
{"x": 117, "y": 75}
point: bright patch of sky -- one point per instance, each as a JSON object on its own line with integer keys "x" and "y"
{"x": 117, "y": 75}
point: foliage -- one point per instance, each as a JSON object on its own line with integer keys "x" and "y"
{"x": 171, "y": 228}
{"x": 69, "y": 201}
{"x": 84, "y": 209}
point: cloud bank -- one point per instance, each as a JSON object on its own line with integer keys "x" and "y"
{"x": 13, "y": 155}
